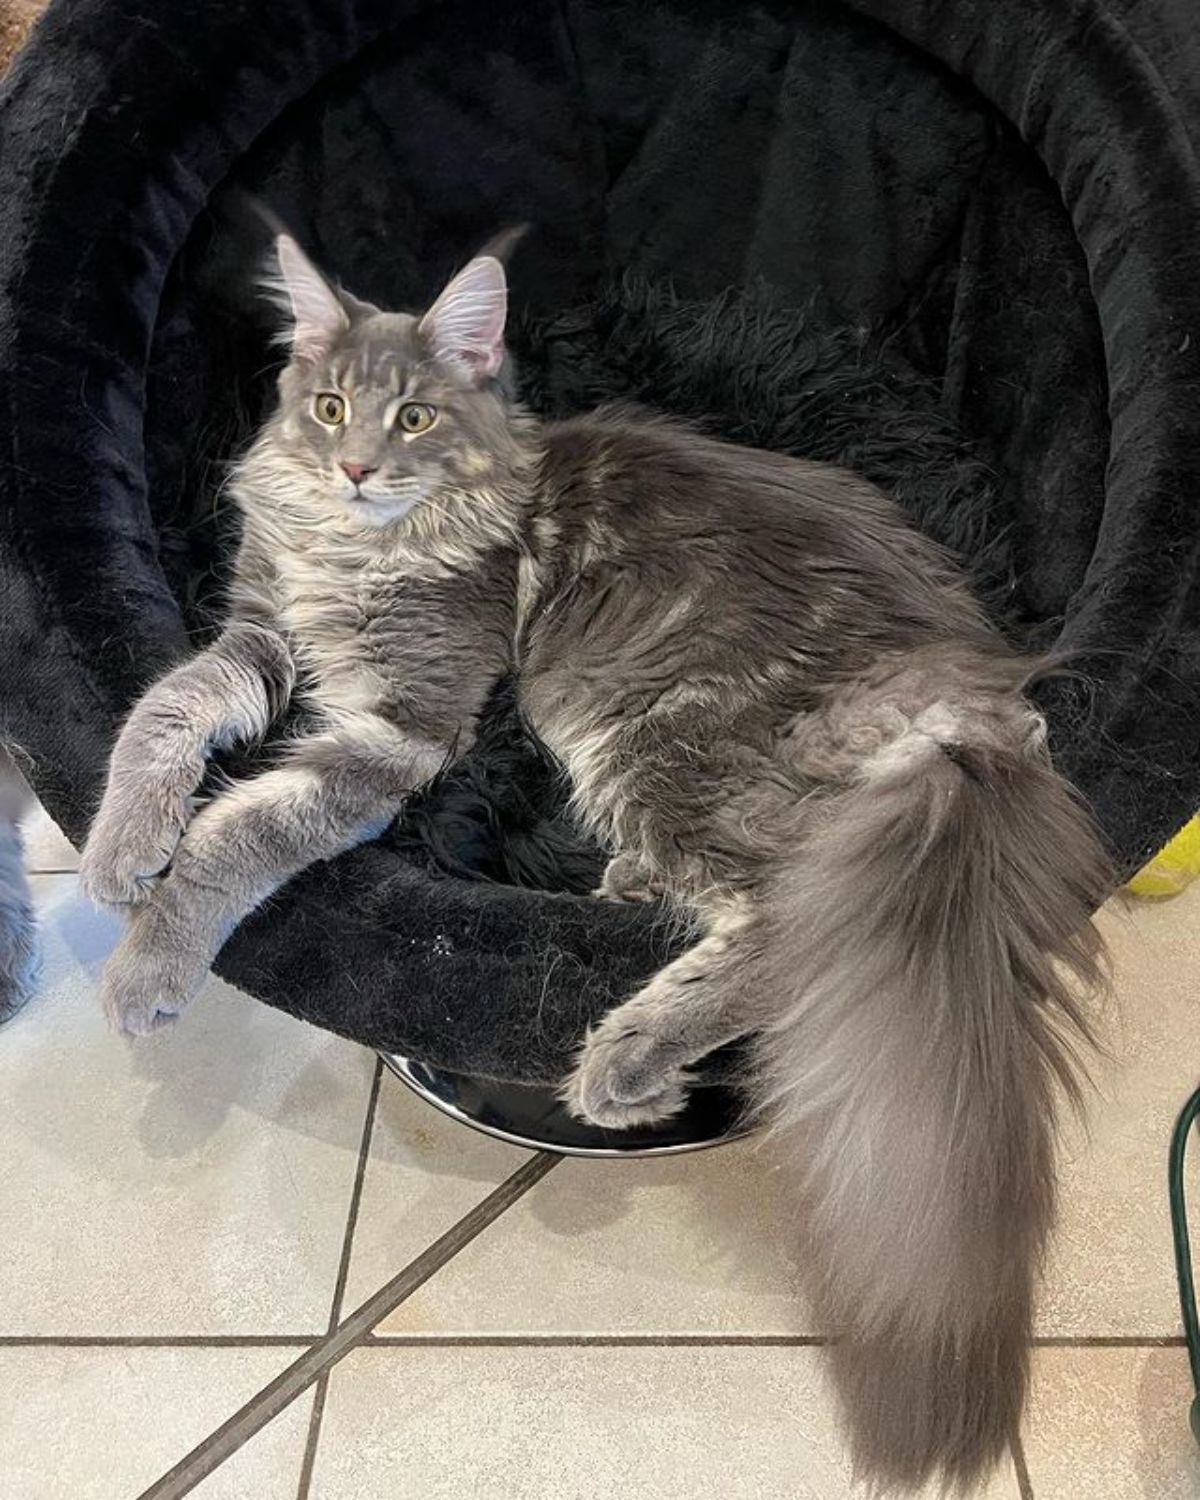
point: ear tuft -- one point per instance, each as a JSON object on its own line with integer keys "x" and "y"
{"x": 302, "y": 293}
{"x": 465, "y": 326}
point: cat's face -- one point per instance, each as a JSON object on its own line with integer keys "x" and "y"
{"x": 377, "y": 410}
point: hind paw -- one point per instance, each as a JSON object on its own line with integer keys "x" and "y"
{"x": 625, "y": 1078}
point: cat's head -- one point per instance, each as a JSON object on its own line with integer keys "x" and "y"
{"x": 378, "y": 410}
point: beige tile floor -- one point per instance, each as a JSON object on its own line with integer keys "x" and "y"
{"x": 182, "y": 1219}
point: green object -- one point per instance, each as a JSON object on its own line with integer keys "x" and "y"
{"x": 1183, "y": 1248}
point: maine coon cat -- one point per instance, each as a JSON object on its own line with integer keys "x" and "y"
{"x": 780, "y": 708}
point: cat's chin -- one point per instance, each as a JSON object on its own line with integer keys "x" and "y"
{"x": 369, "y": 510}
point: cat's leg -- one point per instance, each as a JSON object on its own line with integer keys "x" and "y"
{"x": 19, "y": 954}
{"x": 632, "y": 1069}
{"x": 229, "y": 692}
{"x": 335, "y": 789}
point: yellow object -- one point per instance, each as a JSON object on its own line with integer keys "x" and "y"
{"x": 1173, "y": 867}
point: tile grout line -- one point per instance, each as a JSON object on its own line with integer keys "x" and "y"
{"x": 339, "y": 1287}
{"x": 226, "y": 1439}
{"x": 1024, "y": 1483}
{"x": 159, "y": 1340}
{"x": 718, "y": 1340}
{"x": 595, "y": 1341}
{"x": 311, "y": 1442}
{"x": 1109, "y": 1341}
{"x": 356, "y": 1193}
{"x": 699, "y": 1340}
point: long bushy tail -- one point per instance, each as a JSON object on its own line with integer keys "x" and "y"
{"x": 931, "y": 945}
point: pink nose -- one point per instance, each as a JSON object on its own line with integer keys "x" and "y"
{"x": 357, "y": 472}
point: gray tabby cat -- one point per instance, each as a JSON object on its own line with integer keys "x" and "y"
{"x": 776, "y": 703}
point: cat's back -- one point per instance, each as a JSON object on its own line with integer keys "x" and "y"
{"x": 631, "y": 483}
{"x": 781, "y": 548}
{"x": 633, "y": 470}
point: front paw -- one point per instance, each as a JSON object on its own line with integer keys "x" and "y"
{"x": 149, "y": 980}
{"x": 623, "y": 1078}
{"x": 127, "y": 852}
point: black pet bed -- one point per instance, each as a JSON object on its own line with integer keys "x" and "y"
{"x": 953, "y": 244}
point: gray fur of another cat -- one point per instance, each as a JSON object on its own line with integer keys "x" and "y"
{"x": 778, "y": 705}
{"x": 20, "y": 955}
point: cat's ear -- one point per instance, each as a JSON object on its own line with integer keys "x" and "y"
{"x": 318, "y": 315}
{"x": 465, "y": 326}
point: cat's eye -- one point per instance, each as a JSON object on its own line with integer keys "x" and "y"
{"x": 416, "y": 416}
{"x": 330, "y": 408}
